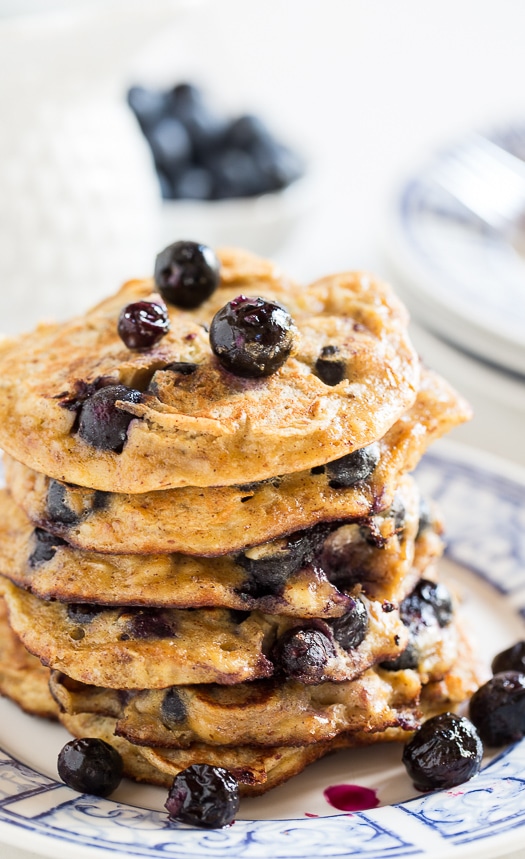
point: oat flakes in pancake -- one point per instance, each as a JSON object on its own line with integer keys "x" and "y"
{"x": 23, "y": 678}
{"x": 262, "y": 713}
{"x": 209, "y": 427}
{"x": 156, "y": 648}
{"x": 220, "y": 520}
{"x": 291, "y": 577}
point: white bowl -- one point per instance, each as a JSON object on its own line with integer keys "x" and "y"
{"x": 260, "y": 224}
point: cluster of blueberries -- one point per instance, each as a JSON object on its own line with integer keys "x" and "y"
{"x": 201, "y": 155}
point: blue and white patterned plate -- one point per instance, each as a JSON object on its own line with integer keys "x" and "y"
{"x": 484, "y": 505}
{"x": 463, "y": 279}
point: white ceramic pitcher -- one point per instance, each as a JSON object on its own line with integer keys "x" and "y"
{"x": 79, "y": 200}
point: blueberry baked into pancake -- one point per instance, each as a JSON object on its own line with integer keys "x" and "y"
{"x": 211, "y": 545}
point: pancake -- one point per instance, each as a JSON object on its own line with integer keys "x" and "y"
{"x": 23, "y": 678}
{"x": 210, "y": 427}
{"x": 259, "y": 769}
{"x": 307, "y": 574}
{"x": 226, "y": 519}
{"x": 262, "y": 713}
{"x": 132, "y": 648}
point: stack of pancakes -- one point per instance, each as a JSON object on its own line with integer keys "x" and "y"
{"x": 250, "y": 581}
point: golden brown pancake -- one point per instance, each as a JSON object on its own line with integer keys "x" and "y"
{"x": 210, "y": 427}
{"x": 220, "y": 520}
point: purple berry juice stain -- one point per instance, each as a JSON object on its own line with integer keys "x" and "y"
{"x": 351, "y": 797}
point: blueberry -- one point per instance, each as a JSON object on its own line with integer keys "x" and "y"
{"x": 194, "y": 183}
{"x": 444, "y": 752}
{"x": 252, "y": 337}
{"x": 202, "y": 795}
{"x": 83, "y": 612}
{"x": 330, "y": 368}
{"x": 512, "y": 659}
{"x": 498, "y": 708}
{"x": 235, "y": 174}
{"x": 354, "y": 467}
{"x": 57, "y": 506}
{"x": 172, "y": 709}
{"x": 186, "y": 273}
{"x": 278, "y": 165}
{"x": 271, "y": 564}
{"x": 148, "y": 106}
{"x": 350, "y": 629}
{"x": 428, "y": 602}
{"x": 185, "y": 368}
{"x": 101, "y": 424}
{"x": 245, "y": 131}
{"x": 142, "y": 324}
{"x": 302, "y": 653}
{"x": 408, "y": 659}
{"x": 148, "y": 623}
{"x": 45, "y": 548}
{"x": 170, "y": 145}
{"x": 90, "y": 765}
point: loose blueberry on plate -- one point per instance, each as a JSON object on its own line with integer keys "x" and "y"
{"x": 252, "y": 337}
{"x": 498, "y": 709}
{"x": 142, "y": 324}
{"x": 512, "y": 659}
{"x": 101, "y": 424}
{"x": 444, "y": 752}
{"x": 90, "y": 765}
{"x": 186, "y": 274}
{"x": 203, "y": 795}
{"x": 354, "y": 467}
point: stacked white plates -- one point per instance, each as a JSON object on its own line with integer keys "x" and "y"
{"x": 464, "y": 284}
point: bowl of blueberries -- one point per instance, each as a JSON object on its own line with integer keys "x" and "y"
{"x": 227, "y": 179}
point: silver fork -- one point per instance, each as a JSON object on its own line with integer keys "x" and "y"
{"x": 490, "y": 182}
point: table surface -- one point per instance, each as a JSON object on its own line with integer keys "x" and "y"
{"x": 369, "y": 87}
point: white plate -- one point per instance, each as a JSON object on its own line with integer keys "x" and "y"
{"x": 461, "y": 278}
{"x": 484, "y": 506}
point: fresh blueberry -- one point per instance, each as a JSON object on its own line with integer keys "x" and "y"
{"x": 172, "y": 709}
{"x": 186, "y": 274}
{"x": 443, "y": 753}
{"x": 194, "y": 183}
{"x": 354, "y": 467}
{"x": 90, "y": 765}
{"x": 171, "y": 145}
{"x": 142, "y": 324}
{"x": 330, "y": 368}
{"x": 148, "y": 106}
{"x": 235, "y": 174}
{"x": 512, "y": 659}
{"x": 101, "y": 424}
{"x": 245, "y": 131}
{"x": 279, "y": 166}
{"x": 58, "y": 509}
{"x": 46, "y": 545}
{"x": 202, "y": 795}
{"x": 302, "y": 653}
{"x": 252, "y": 337}
{"x": 498, "y": 708}
{"x": 350, "y": 629}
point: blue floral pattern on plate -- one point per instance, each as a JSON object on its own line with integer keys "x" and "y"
{"x": 485, "y": 514}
